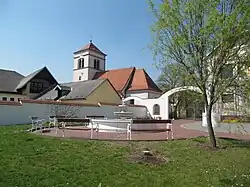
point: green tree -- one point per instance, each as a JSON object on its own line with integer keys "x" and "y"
{"x": 204, "y": 37}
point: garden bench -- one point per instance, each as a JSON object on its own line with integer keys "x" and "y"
{"x": 53, "y": 120}
{"x": 96, "y": 117}
{"x": 36, "y": 123}
{"x": 62, "y": 121}
{"x": 111, "y": 125}
{"x": 154, "y": 125}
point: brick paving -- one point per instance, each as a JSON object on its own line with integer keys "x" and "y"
{"x": 179, "y": 133}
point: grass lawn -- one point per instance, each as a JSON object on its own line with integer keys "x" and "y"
{"x": 31, "y": 160}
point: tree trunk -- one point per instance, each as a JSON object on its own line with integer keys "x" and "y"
{"x": 179, "y": 112}
{"x": 209, "y": 126}
{"x": 175, "y": 112}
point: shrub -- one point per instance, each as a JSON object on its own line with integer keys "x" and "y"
{"x": 231, "y": 121}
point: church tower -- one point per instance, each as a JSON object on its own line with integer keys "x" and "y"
{"x": 87, "y": 62}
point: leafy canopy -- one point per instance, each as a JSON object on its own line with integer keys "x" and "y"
{"x": 204, "y": 36}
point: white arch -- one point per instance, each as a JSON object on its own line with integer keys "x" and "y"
{"x": 162, "y": 100}
{"x": 132, "y": 97}
{"x": 179, "y": 89}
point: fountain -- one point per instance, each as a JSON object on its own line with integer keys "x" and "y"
{"x": 123, "y": 112}
{"x": 120, "y": 123}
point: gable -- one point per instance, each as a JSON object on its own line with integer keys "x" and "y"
{"x": 142, "y": 81}
{"x": 41, "y": 74}
{"x": 105, "y": 93}
{"x": 91, "y": 47}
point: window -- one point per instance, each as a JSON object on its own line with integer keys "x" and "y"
{"x": 19, "y": 99}
{"x": 80, "y": 78}
{"x": 97, "y": 64}
{"x": 156, "y": 109}
{"x": 4, "y": 98}
{"x": 80, "y": 63}
{"x": 228, "y": 98}
{"x": 132, "y": 102}
{"x": 12, "y": 99}
{"x": 36, "y": 87}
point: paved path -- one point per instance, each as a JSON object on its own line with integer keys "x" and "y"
{"x": 182, "y": 129}
{"x": 224, "y": 127}
{"x": 239, "y": 131}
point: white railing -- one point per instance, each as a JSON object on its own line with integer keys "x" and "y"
{"x": 106, "y": 125}
{"x": 118, "y": 126}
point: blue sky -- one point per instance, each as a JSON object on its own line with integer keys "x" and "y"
{"x": 37, "y": 33}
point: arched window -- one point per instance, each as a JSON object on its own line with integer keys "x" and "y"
{"x": 97, "y": 64}
{"x": 156, "y": 109}
{"x": 80, "y": 63}
{"x": 132, "y": 102}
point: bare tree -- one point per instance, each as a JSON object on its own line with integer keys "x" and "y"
{"x": 68, "y": 110}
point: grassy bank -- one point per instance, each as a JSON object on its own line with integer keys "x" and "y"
{"x": 32, "y": 160}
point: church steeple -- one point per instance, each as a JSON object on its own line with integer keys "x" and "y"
{"x": 92, "y": 47}
{"x": 87, "y": 62}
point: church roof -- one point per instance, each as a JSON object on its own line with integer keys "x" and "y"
{"x": 119, "y": 78}
{"x": 130, "y": 79}
{"x": 142, "y": 81}
{"x": 82, "y": 89}
{"x": 92, "y": 47}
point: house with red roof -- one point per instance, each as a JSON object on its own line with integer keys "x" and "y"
{"x": 90, "y": 64}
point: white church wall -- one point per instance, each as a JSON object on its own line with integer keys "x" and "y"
{"x": 16, "y": 113}
{"x": 80, "y": 55}
{"x": 153, "y": 95}
{"x": 93, "y": 53}
{"x": 162, "y": 101}
{"x": 142, "y": 95}
{"x": 91, "y": 73}
{"x": 149, "y": 103}
{"x": 88, "y": 72}
{"x": 93, "y": 56}
{"x": 83, "y": 72}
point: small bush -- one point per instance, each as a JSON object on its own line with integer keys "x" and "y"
{"x": 231, "y": 121}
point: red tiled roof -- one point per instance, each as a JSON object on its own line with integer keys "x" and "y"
{"x": 91, "y": 46}
{"x": 142, "y": 81}
{"x": 118, "y": 77}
